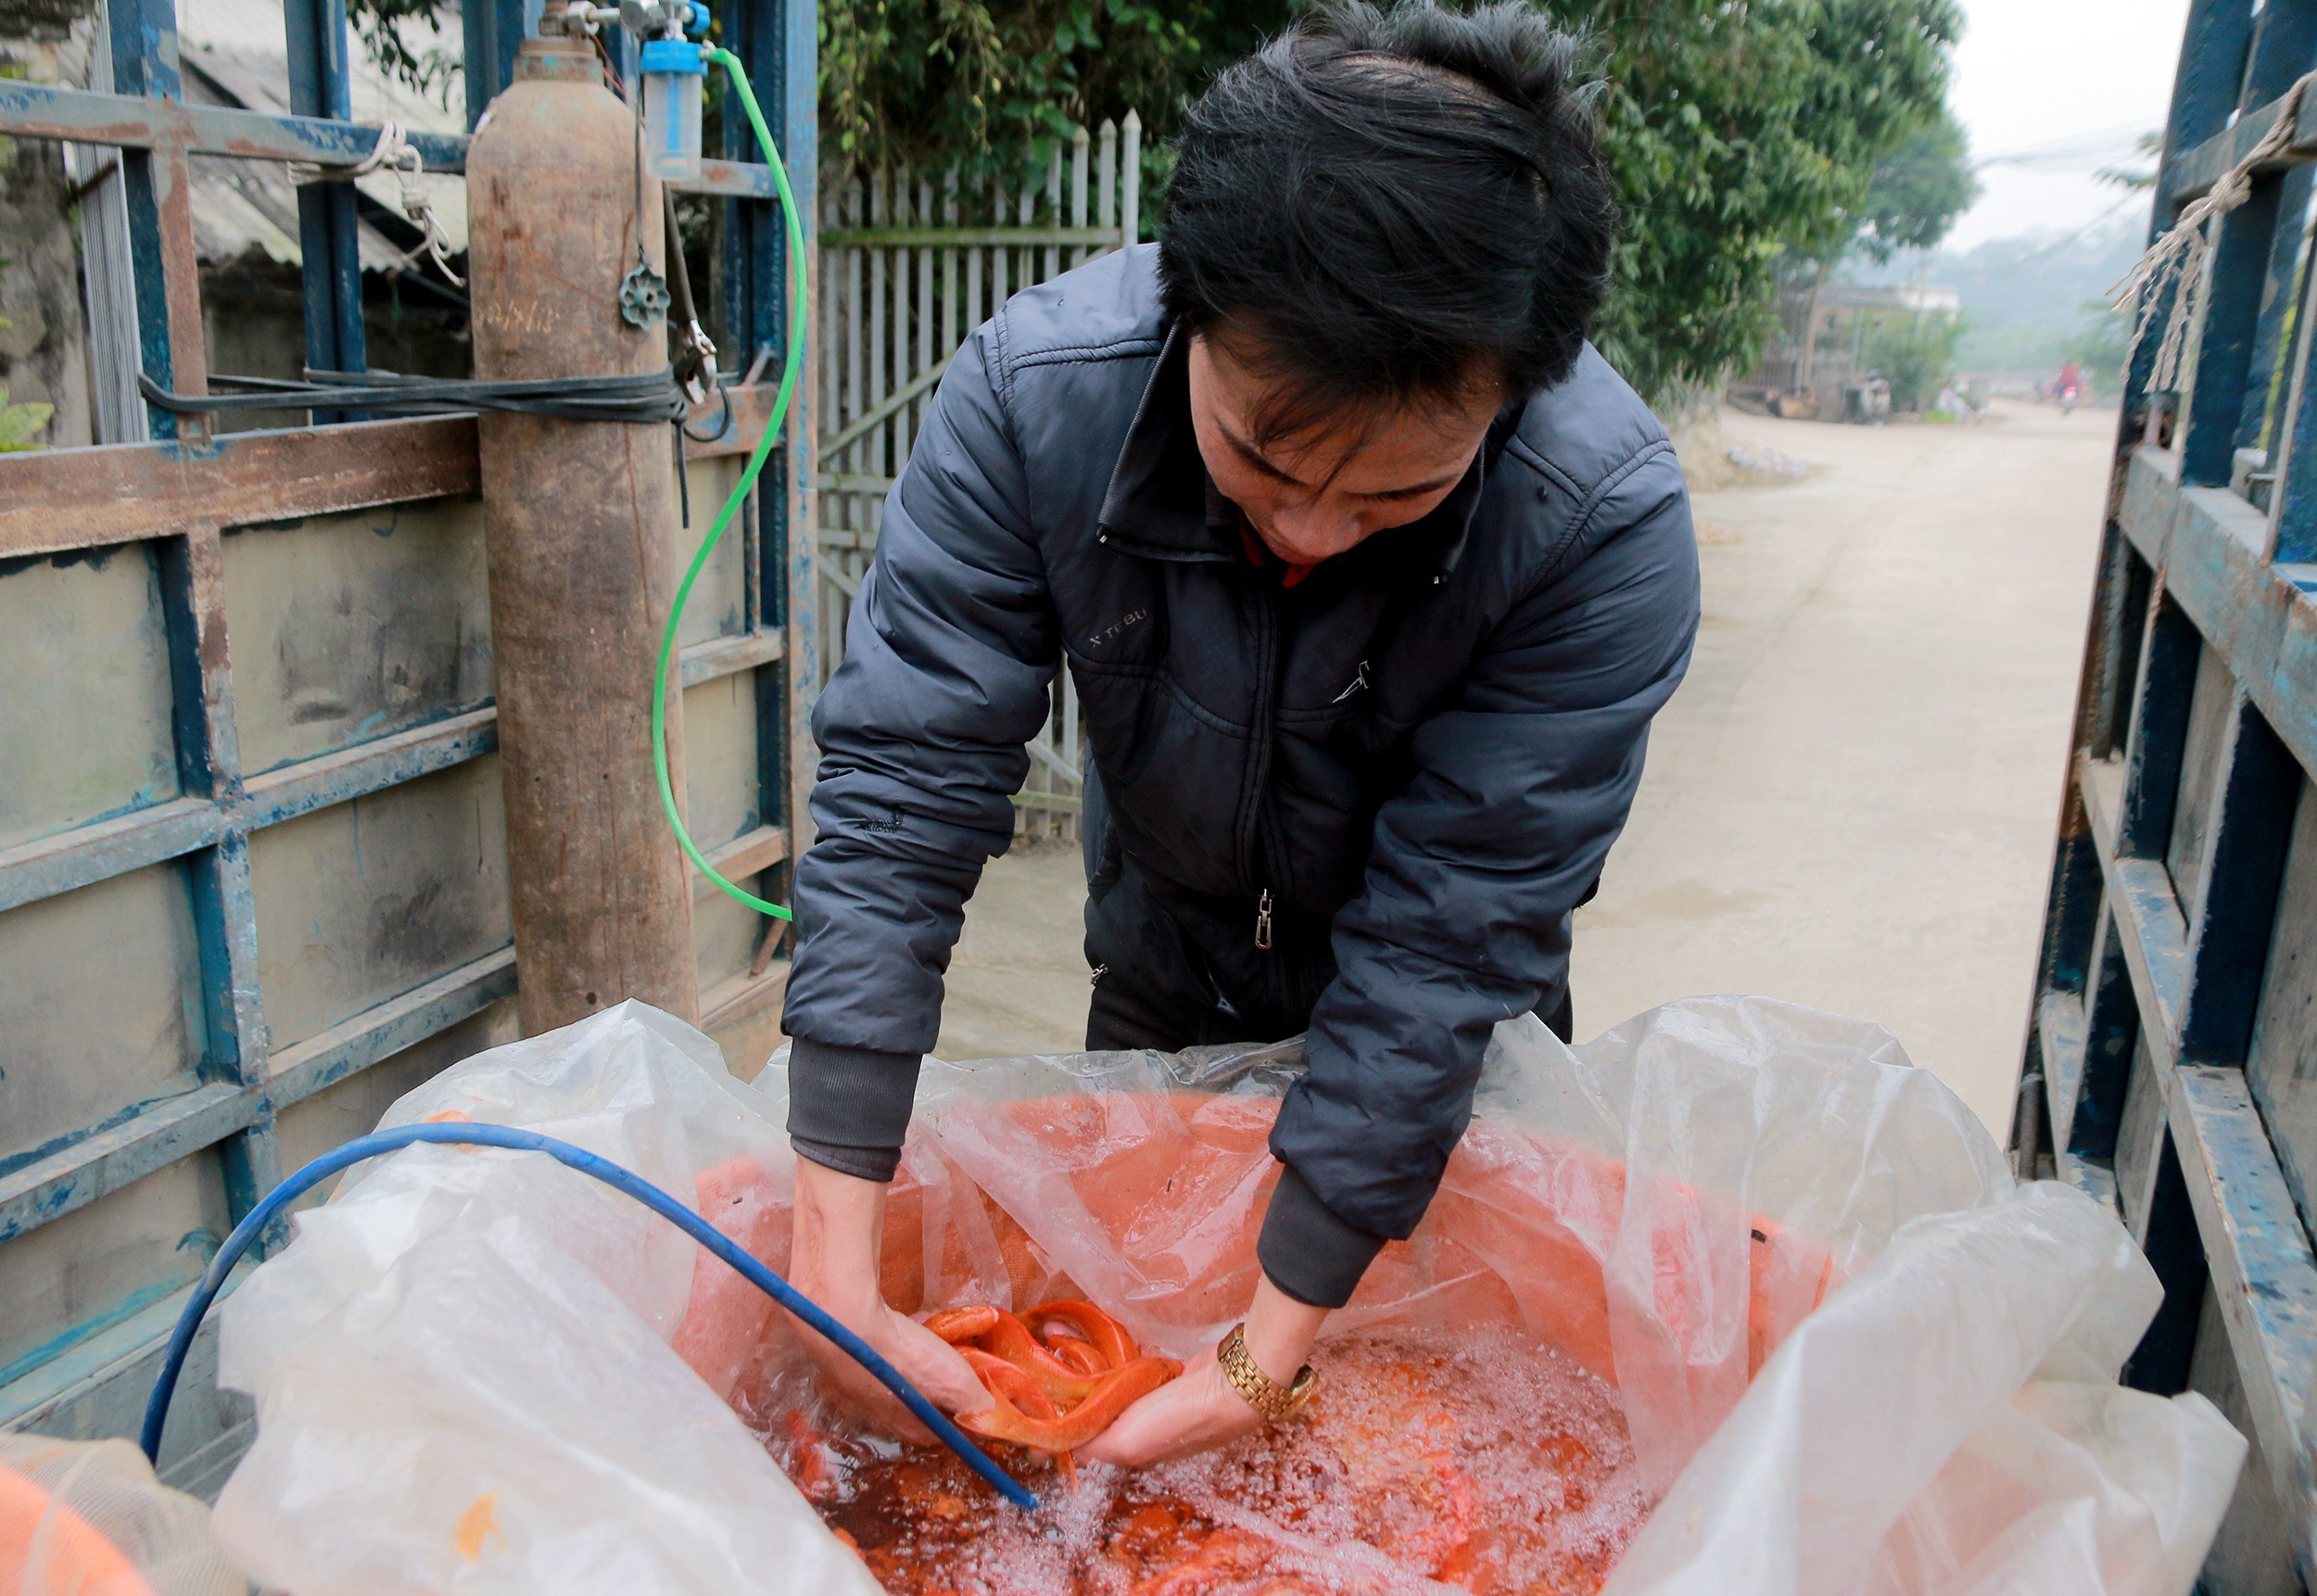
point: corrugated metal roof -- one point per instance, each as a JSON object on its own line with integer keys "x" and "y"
{"x": 235, "y": 52}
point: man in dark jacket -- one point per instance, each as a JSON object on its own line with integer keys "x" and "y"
{"x": 1371, "y": 574}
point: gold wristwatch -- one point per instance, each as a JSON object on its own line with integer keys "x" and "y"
{"x": 1265, "y": 1395}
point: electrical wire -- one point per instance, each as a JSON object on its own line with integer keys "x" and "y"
{"x": 515, "y": 1139}
{"x": 731, "y": 65}
{"x": 649, "y": 398}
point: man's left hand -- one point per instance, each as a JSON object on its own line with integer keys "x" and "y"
{"x": 1187, "y": 1414}
{"x": 1199, "y": 1409}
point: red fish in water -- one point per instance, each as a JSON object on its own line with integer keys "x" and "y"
{"x": 1050, "y": 1391}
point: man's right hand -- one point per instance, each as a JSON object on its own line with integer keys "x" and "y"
{"x": 839, "y": 1238}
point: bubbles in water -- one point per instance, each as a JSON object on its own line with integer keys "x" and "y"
{"x": 1476, "y": 1459}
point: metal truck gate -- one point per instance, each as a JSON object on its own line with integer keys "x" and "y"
{"x": 253, "y": 875}
{"x": 2172, "y": 1059}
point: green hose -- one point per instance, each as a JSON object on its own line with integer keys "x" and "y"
{"x": 731, "y": 65}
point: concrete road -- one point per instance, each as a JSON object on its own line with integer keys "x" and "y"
{"x": 1851, "y": 802}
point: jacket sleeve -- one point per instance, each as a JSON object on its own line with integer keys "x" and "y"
{"x": 949, "y": 654}
{"x": 1523, "y": 780}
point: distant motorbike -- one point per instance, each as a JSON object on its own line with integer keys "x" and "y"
{"x": 2067, "y": 394}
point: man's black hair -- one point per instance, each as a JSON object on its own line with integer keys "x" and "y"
{"x": 1385, "y": 205}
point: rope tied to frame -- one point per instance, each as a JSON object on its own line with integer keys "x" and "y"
{"x": 2181, "y": 255}
{"x": 395, "y": 153}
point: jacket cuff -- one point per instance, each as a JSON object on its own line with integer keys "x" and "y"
{"x": 1307, "y": 1251}
{"x": 849, "y": 1107}
{"x": 877, "y": 1164}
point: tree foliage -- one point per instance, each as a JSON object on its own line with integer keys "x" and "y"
{"x": 388, "y": 33}
{"x": 1741, "y": 130}
{"x": 1915, "y": 356}
{"x": 1918, "y": 190}
{"x": 986, "y": 84}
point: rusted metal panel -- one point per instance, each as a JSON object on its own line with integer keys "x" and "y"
{"x": 2258, "y": 616}
{"x": 2264, "y": 1276}
{"x": 396, "y": 1027}
{"x": 158, "y": 1134}
{"x": 55, "y": 500}
{"x": 719, "y": 606}
{"x": 95, "y": 1386}
{"x": 358, "y": 625}
{"x": 180, "y": 288}
{"x": 31, "y": 871}
{"x": 362, "y": 902}
{"x": 313, "y": 784}
{"x": 734, "y": 179}
{"x": 2252, "y": 1552}
{"x": 95, "y": 1007}
{"x": 192, "y": 587}
{"x": 107, "y": 1258}
{"x": 59, "y": 864}
{"x": 723, "y": 792}
{"x": 743, "y": 1014}
{"x": 85, "y": 727}
{"x": 2282, "y": 1068}
{"x": 2209, "y": 702}
{"x": 724, "y": 657}
{"x": 725, "y": 936}
{"x": 743, "y": 856}
{"x": 341, "y": 1107}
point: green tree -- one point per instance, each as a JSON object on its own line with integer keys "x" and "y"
{"x": 1739, "y": 130}
{"x": 983, "y": 84}
{"x": 1915, "y": 356}
{"x": 1741, "y": 133}
{"x": 1742, "y": 130}
{"x": 1918, "y": 190}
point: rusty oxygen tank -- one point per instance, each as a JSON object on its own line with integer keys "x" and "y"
{"x": 580, "y": 524}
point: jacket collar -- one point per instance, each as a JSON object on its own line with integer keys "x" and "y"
{"x": 1162, "y": 504}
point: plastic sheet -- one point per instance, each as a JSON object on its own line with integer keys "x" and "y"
{"x": 87, "y": 1518}
{"x": 1853, "y": 1353}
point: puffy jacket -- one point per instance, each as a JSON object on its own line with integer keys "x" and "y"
{"x": 1421, "y": 753}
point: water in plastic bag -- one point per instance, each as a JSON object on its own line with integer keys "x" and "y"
{"x": 1849, "y": 1354}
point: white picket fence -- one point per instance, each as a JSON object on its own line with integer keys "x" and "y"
{"x": 909, "y": 266}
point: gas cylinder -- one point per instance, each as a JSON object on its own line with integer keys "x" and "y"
{"x": 580, "y": 520}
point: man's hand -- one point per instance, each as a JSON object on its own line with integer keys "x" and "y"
{"x": 840, "y": 1232}
{"x": 1199, "y": 1409}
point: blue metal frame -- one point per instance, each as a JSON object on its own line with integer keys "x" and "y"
{"x": 142, "y": 34}
{"x": 182, "y": 493}
{"x": 322, "y": 84}
{"x": 2175, "y": 835}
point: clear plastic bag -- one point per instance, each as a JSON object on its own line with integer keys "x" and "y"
{"x": 87, "y": 1518}
{"x": 1855, "y": 1354}
{"x": 462, "y": 1364}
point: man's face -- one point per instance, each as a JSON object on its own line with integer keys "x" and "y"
{"x": 1318, "y": 493}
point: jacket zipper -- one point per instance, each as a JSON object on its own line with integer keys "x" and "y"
{"x": 1266, "y": 703}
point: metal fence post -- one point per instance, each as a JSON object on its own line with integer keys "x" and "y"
{"x": 320, "y": 84}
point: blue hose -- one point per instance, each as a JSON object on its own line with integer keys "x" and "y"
{"x": 611, "y": 1174}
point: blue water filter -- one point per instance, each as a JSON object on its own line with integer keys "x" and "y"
{"x": 674, "y": 75}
